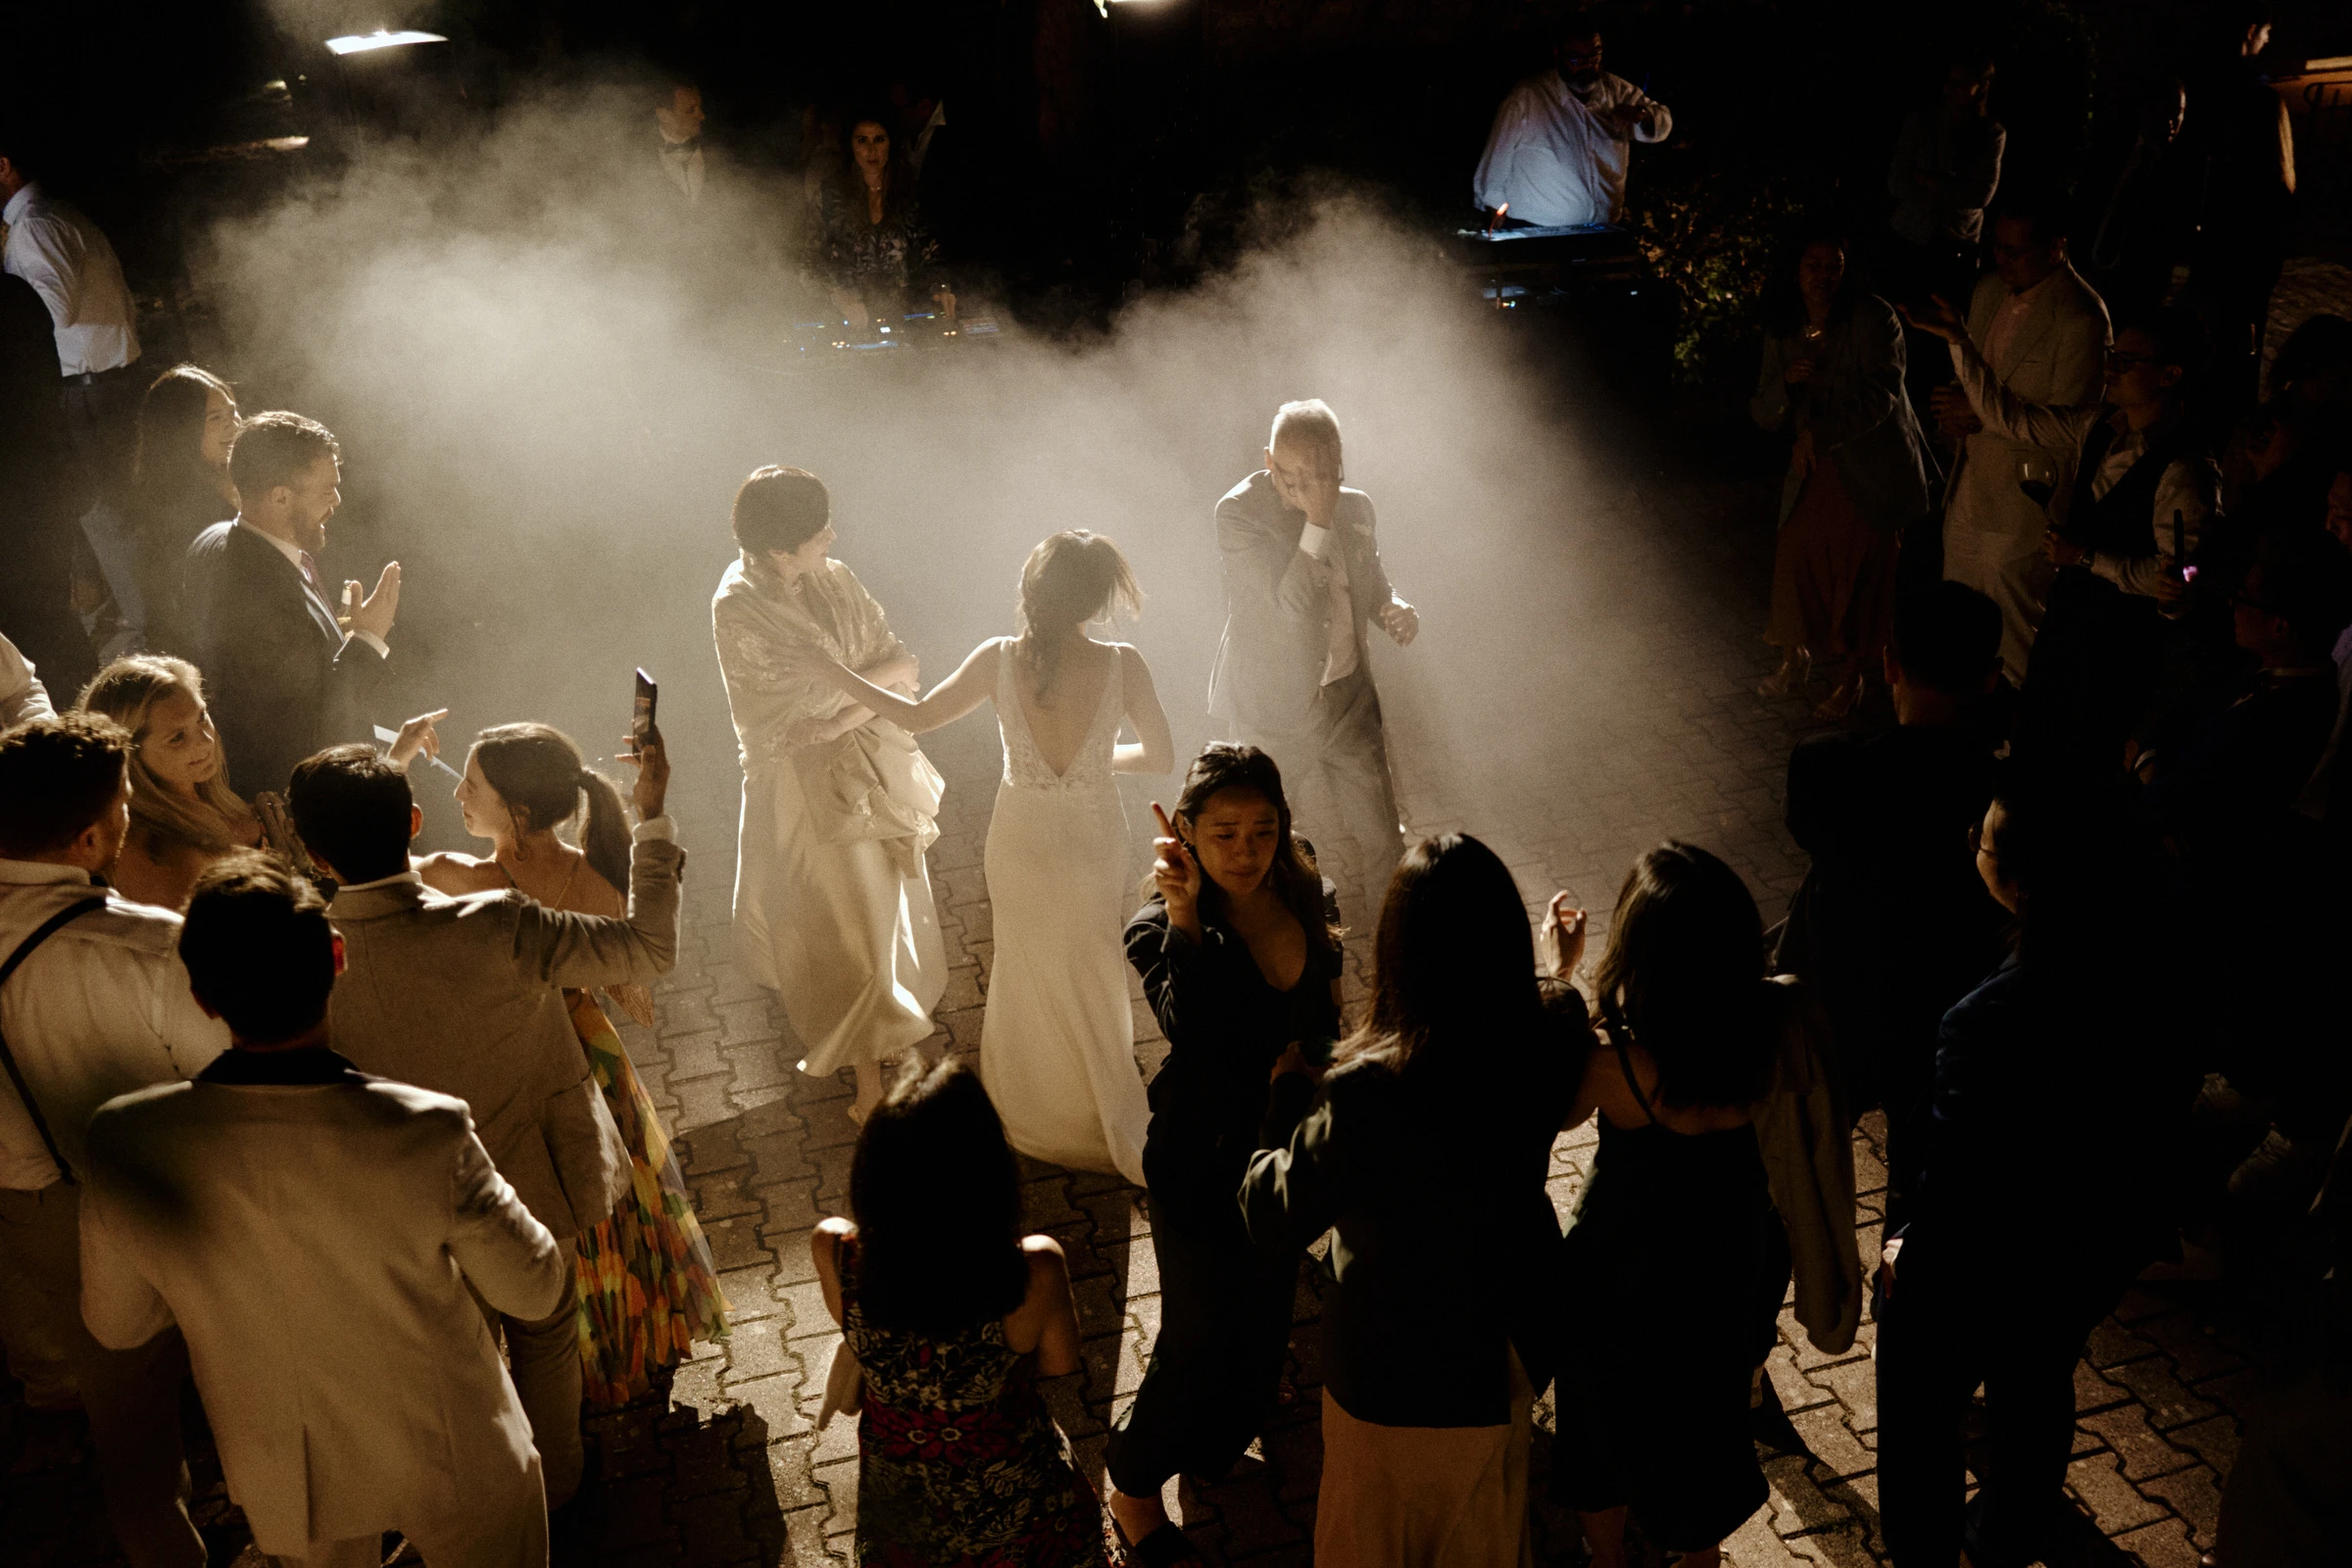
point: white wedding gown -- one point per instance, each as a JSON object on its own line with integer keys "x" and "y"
{"x": 1058, "y": 1043}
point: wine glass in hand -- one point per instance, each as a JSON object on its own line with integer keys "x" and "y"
{"x": 2038, "y": 477}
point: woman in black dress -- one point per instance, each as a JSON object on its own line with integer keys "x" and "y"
{"x": 1676, "y": 1262}
{"x": 1244, "y": 976}
{"x": 873, "y": 248}
{"x": 179, "y": 486}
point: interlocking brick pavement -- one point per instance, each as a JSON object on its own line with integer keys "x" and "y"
{"x": 1653, "y": 731}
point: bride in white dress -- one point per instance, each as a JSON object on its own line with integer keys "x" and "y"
{"x": 1057, "y": 1045}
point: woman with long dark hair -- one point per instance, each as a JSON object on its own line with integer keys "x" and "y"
{"x": 180, "y": 484}
{"x": 1425, "y": 1150}
{"x": 1832, "y": 376}
{"x": 833, "y": 904}
{"x": 953, "y": 1316}
{"x": 1058, "y": 1040}
{"x": 872, "y": 245}
{"x": 1243, "y": 974}
{"x": 647, "y": 1287}
{"x": 1675, "y": 1257}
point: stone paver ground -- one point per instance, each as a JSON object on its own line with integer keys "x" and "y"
{"x": 1643, "y": 726}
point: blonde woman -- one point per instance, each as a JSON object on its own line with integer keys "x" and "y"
{"x": 183, "y": 816}
{"x": 1058, "y": 1042}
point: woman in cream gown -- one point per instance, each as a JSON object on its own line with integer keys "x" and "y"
{"x": 832, "y": 897}
{"x": 1058, "y": 1043}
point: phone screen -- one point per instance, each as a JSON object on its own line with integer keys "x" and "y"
{"x": 641, "y": 721}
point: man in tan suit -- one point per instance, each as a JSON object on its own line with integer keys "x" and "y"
{"x": 460, "y": 995}
{"x": 2044, "y": 332}
{"x": 314, "y": 1231}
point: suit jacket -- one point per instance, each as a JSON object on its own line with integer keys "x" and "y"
{"x": 313, "y": 1238}
{"x": 2056, "y": 357}
{"x": 460, "y": 995}
{"x": 1277, "y": 602}
{"x": 282, "y": 679}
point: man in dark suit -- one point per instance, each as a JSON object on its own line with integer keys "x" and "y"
{"x": 38, "y": 535}
{"x": 1302, "y": 580}
{"x": 284, "y": 679}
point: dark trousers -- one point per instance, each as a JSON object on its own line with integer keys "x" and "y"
{"x": 1960, "y": 1318}
{"x": 1224, "y": 1329}
{"x": 2095, "y": 665}
{"x": 101, "y": 418}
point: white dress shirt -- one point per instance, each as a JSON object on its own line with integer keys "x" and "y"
{"x": 683, "y": 162}
{"x": 22, "y": 694}
{"x": 294, "y": 555}
{"x": 1338, "y": 659}
{"x": 1556, "y": 155}
{"x": 67, "y": 261}
{"x": 99, "y": 1010}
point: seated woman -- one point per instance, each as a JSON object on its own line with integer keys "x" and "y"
{"x": 1427, "y": 1151}
{"x": 1243, "y": 974}
{"x": 183, "y": 816}
{"x": 1676, "y": 1262}
{"x": 953, "y": 1316}
{"x": 647, "y": 1286}
{"x": 180, "y": 484}
{"x": 872, "y": 245}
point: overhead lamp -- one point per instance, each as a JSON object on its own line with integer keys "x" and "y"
{"x": 360, "y": 44}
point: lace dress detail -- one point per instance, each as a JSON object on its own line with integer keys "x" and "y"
{"x": 1058, "y": 1043}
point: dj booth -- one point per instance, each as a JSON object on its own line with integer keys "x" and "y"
{"x": 820, "y": 345}
{"x": 1534, "y": 265}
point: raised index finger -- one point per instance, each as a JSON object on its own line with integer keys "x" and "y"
{"x": 1167, "y": 829}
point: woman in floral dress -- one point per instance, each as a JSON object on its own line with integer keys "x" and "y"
{"x": 646, "y": 1287}
{"x": 952, "y": 1314}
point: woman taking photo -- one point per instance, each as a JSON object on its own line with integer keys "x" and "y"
{"x": 1244, "y": 975}
{"x": 1675, "y": 1260}
{"x": 1427, "y": 1151}
{"x": 833, "y": 904}
{"x": 953, "y": 1316}
{"x": 1832, "y": 376}
{"x": 1058, "y": 1040}
{"x": 646, "y": 1287}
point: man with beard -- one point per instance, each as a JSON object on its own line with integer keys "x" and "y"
{"x": 1562, "y": 140}
{"x": 285, "y": 679}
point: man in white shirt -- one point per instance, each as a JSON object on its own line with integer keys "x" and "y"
{"x": 678, "y": 118}
{"x": 2043, "y": 334}
{"x": 98, "y": 1006}
{"x": 283, "y": 676}
{"x": 318, "y": 1236}
{"x": 22, "y": 694}
{"x": 70, "y": 264}
{"x": 1561, "y": 141}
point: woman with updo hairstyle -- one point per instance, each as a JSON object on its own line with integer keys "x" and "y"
{"x": 1675, "y": 1260}
{"x": 833, "y": 904}
{"x": 647, "y": 1286}
{"x": 183, "y": 816}
{"x": 1242, "y": 971}
{"x": 1058, "y": 1042}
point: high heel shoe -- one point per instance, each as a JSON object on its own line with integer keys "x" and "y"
{"x": 1841, "y": 701}
{"x": 1797, "y": 667}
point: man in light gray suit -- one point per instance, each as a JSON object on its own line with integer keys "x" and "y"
{"x": 460, "y": 995}
{"x": 1302, "y": 580}
{"x": 314, "y": 1232}
{"x": 2044, "y": 332}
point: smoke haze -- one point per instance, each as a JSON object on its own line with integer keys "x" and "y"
{"x": 548, "y": 386}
